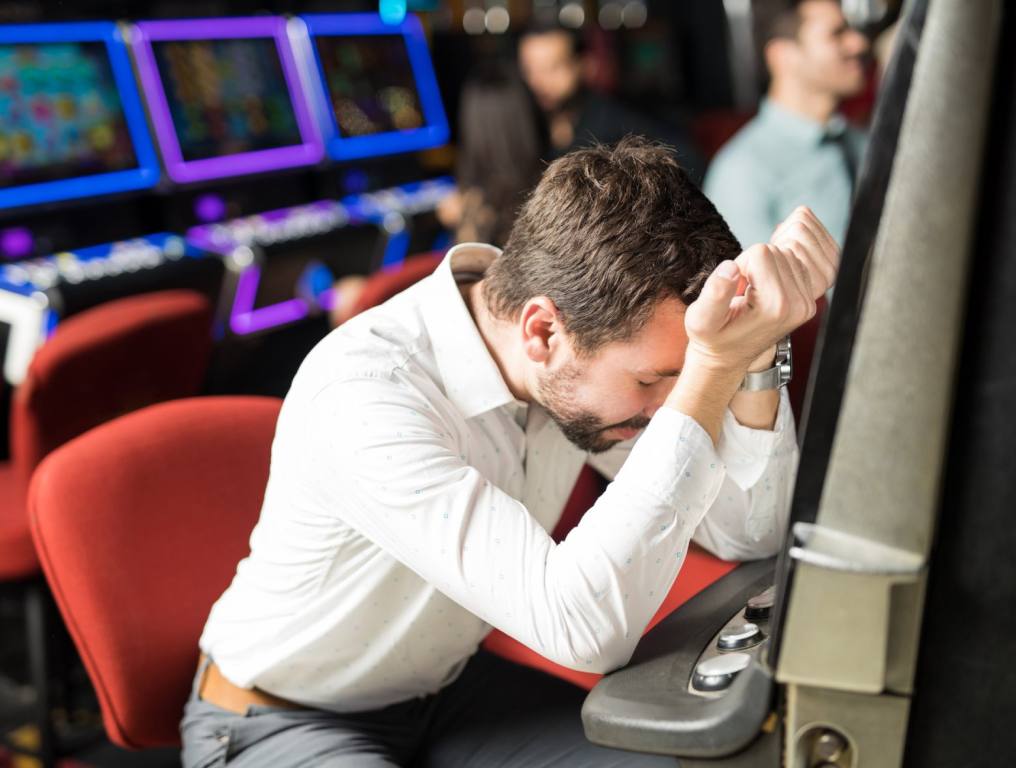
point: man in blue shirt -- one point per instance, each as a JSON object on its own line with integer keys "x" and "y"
{"x": 798, "y": 150}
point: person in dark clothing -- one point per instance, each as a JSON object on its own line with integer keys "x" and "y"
{"x": 500, "y": 150}
{"x": 550, "y": 60}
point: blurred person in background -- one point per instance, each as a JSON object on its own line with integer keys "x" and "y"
{"x": 797, "y": 150}
{"x": 550, "y": 60}
{"x": 501, "y": 143}
{"x": 498, "y": 160}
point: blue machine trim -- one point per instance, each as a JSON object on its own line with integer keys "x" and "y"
{"x": 146, "y": 174}
{"x": 433, "y": 134}
{"x": 19, "y": 277}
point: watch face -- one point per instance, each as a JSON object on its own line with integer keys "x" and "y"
{"x": 785, "y": 361}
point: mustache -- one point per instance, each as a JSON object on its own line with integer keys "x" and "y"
{"x": 636, "y": 422}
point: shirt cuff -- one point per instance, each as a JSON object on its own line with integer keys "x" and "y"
{"x": 674, "y": 460}
{"x": 747, "y": 451}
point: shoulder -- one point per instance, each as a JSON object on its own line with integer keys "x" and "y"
{"x": 749, "y": 147}
{"x": 381, "y": 344}
{"x": 742, "y": 160}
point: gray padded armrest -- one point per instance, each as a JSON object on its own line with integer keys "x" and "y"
{"x": 646, "y": 706}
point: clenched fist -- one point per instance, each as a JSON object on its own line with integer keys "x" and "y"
{"x": 748, "y": 304}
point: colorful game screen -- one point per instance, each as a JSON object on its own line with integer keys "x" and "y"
{"x": 222, "y": 97}
{"x": 376, "y": 85}
{"x": 64, "y": 125}
{"x": 226, "y": 97}
{"x": 60, "y": 114}
{"x": 370, "y": 84}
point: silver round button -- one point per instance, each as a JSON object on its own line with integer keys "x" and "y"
{"x": 740, "y": 637}
{"x": 760, "y": 606}
{"x": 717, "y": 673}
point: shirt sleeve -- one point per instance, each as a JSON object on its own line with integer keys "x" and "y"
{"x": 749, "y": 516}
{"x": 396, "y": 471}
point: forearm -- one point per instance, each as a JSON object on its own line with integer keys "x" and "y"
{"x": 706, "y": 387}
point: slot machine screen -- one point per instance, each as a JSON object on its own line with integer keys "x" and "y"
{"x": 222, "y": 97}
{"x": 377, "y": 93}
{"x": 71, "y": 123}
{"x": 352, "y": 250}
{"x": 226, "y": 97}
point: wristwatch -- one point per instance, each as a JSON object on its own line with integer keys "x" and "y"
{"x": 772, "y": 378}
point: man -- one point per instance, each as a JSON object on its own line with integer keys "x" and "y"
{"x": 797, "y": 150}
{"x": 550, "y": 60}
{"x": 427, "y": 447}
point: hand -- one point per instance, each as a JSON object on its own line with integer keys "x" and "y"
{"x": 804, "y": 236}
{"x": 769, "y": 290}
{"x": 728, "y": 331}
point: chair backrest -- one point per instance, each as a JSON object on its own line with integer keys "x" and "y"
{"x": 804, "y": 340}
{"x": 107, "y": 361}
{"x": 382, "y": 285}
{"x": 139, "y": 525}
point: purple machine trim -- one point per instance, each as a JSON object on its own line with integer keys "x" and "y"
{"x": 223, "y": 238}
{"x": 244, "y": 318}
{"x": 16, "y": 243}
{"x": 183, "y": 171}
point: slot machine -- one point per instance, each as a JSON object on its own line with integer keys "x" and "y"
{"x": 375, "y": 95}
{"x": 238, "y": 114}
{"x": 881, "y": 635}
{"x": 77, "y": 167}
{"x": 240, "y": 145}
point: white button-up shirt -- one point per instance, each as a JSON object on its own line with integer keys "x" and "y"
{"x": 409, "y": 507}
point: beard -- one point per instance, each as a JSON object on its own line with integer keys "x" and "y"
{"x": 582, "y": 427}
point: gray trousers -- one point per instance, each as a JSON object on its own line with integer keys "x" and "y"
{"x": 495, "y": 715}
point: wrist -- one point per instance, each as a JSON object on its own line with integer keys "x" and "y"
{"x": 705, "y": 388}
{"x": 710, "y": 363}
{"x": 766, "y": 360}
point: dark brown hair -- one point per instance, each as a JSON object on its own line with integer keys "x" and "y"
{"x": 774, "y": 20}
{"x": 609, "y": 232}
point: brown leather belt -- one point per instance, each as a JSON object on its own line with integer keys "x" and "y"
{"x": 217, "y": 690}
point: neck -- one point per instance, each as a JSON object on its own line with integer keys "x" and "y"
{"x": 497, "y": 335}
{"x": 798, "y": 99}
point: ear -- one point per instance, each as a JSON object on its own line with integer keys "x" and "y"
{"x": 778, "y": 55}
{"x": 541, "y": 327}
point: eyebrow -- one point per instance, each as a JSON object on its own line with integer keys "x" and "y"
{"x": 667, "y": 374}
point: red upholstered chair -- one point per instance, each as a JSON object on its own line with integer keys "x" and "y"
{"x": 714, "y": 128}
{"x": 804, "y": 341}
{"x": 382, "y": 285}
{"x": 97, "y": 365}
{"x": 139, "y": 525}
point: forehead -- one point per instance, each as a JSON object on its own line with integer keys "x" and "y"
{"x": 658, "y": 347}
{"x": 820, "y": 15}
{"x": 546, "y": 45}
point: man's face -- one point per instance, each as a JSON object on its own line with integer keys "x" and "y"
{"x": 829, "y": 54}
{"x": 607, "y": 397}
{"x": 550, "y": 68}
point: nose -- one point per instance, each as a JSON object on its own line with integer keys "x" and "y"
{"x": 655, "y": 402}
{"x": 857, "y": 43}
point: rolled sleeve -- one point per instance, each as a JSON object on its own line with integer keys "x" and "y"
{"x": 749, "y": 516}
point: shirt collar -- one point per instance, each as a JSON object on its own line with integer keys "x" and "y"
{"x": 472, "y": 380}
{"x": 796, "y": 125}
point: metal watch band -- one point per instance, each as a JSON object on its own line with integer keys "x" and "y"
{"x": 772, "y": 378}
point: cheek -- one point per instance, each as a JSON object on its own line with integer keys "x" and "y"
{"x": 613, "y": 404}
